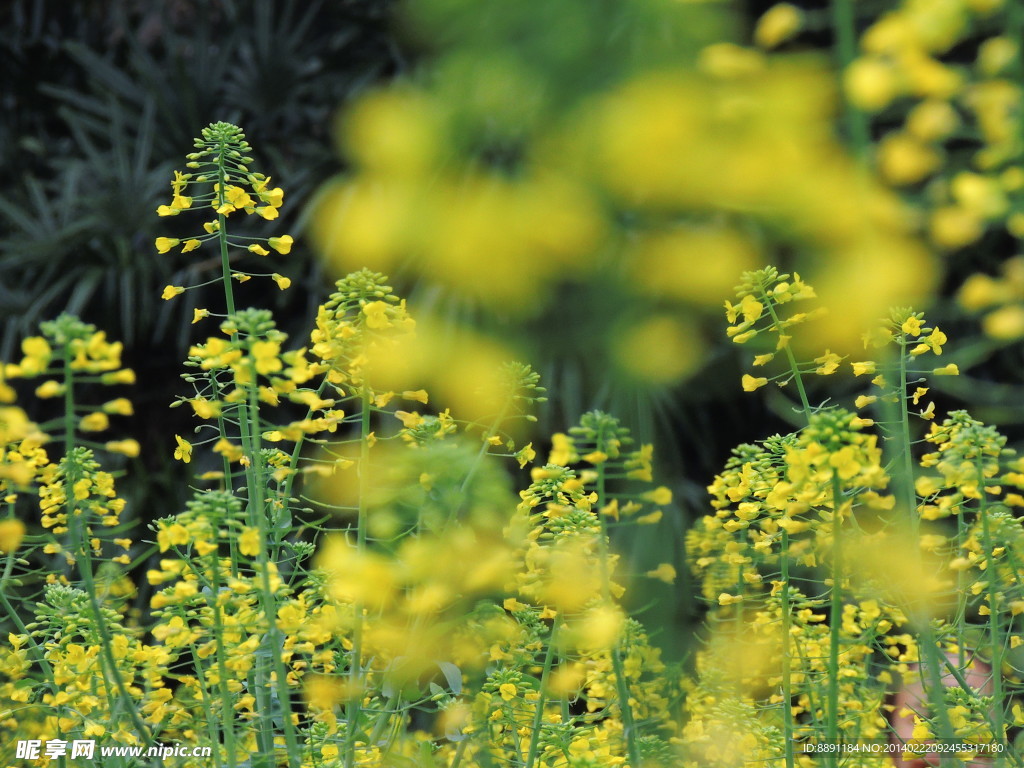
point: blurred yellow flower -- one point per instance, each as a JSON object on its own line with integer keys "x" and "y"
{"x": 777, "y": 25}
{"x": 12, "y": 531}
{"x": 665, "y": 572}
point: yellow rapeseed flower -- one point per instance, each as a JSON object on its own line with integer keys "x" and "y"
{"x": 123, "y": 376}
{"x": 828, "y": 363}
{"x": 120, "y": 406}
{"x": 665, "y": 572}
{"x": 130, "y": 448}
{"x": 184, "y": 450}
{"x": 249, "y": 542}
{"x": 419, "y": 395}
{"x": 281, "y": 244}
{"x": 953, "y": 226}
{"x": 751, "y": 383}
{"x": 507, "y": 691}
{"x": 871, "y": 84}
{"x": 171, "y": 291}
{"x": 1005, "y": 323}
{"x": 904, "y": 159}
{"x": 94, "y": 422}
{"x": 205, "y": 409}
{"x": 12, "y": 532}
{"x": 164, "y": 244}
{"x": 912, "y": 326}
{"x": 866, "y": 367}
{"x": 376, "y": 314}
{"x": 525, "y": 455}
{"x": 778, "y": 25}
{"x": 660, "y": 496}
{"x": 49, "y": 389}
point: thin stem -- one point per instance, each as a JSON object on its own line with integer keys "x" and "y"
{"x": 787, "y": 671}
{"x": 903, "y": 480}
{"x": 222, "y": 235}
{"x": 459, "y": 751}
{"x": 786, "y": 607}
{"x": 538, "y": 715}
{"x": 212, "y": 724}
{"x": 844, "y": 21}
{"x": 993, "y": 612}
{"x": 248, "y": 422}
{"x": 82, "y": 547}
{"x": 356, "y": 664}
{"x": 268, "y": 600}
{"x": 794, "y": 367}
{"x": 227, "y": 713}
{"x": 836, "y": 618}
{"x": 621, "y": 684}
{"x": 478, "y": 461}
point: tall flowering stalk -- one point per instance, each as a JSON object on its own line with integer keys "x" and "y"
{"x": 222, "y": 179}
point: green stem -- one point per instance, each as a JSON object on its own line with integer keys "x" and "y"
{"x": 268, "y": 600}
{"x": 786, "y": 607}
{"x": 478, "y": 461}
{"x": 903, "y": 480}
{"x": 961, "y": 593}
{"x": 265, "y": 735}
{"x": 459, "y": 751}
{"x": 845, "y": 23}
{"x": 227, "y": 712}
{"x": 621, "y": 684}
{"x": 787, "y": 671}
{"x": 212, "y": 724}
{"x": 222, "y": 235}
{"x": 293, "y": 460}
{"x": 835, "y": 619}
{"x": 248, "y": 422}
{"x": 794, "y": 367}
{"x": 355, "y": 666}
{"x": 993, "y": 612}
{"x": 228, "y": 473}
{"x": 538, "y": 715}
{"x": 82, "y": 548}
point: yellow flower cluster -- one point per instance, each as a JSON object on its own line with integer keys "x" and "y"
{"x": 926, "y": 568}
{"x": 220, "y": 177}
{"x": 907, "y": 62}
{"x": 1001, "y": 299}
{"x": 430, "y": 578}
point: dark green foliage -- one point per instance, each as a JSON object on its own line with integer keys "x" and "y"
{"x": 99, "y": 100}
